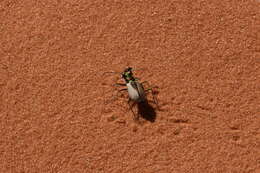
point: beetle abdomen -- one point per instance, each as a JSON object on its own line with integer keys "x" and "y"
{"x": 136, "y": 91}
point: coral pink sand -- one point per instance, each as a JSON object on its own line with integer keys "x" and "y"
{"x": 59, "y": 113}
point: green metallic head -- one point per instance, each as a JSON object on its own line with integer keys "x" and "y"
{"x": 128, "y": 75}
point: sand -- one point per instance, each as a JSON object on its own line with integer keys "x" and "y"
{"x": 60, "y": 113}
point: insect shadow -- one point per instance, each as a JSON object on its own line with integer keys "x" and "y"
{"x": 146, "y": 111}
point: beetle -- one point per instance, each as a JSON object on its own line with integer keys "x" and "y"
{"x": 136, "y": 92}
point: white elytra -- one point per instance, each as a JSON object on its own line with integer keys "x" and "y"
{"x": 135, "y": 91}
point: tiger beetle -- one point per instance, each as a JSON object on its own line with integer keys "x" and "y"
{"x": 136, "y": 91}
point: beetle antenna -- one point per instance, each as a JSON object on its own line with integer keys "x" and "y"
{"x": 137, "y": 69}
{"x": 112, "y": 72}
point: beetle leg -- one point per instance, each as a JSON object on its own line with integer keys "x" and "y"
{"x": 122, "y": 89}
{"x": 149, "y": 86}
{"x": 119, "y": 91}
{"x": 121, "y": 84}
{"x": 154, "y": 98}
{"x": 145, "y": 82}
{"x": 131, "y": 107}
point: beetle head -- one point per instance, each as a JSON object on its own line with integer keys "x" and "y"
{"x": 128, "y": 74}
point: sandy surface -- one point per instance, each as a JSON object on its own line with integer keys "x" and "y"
{"x": 58, "y": 112}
